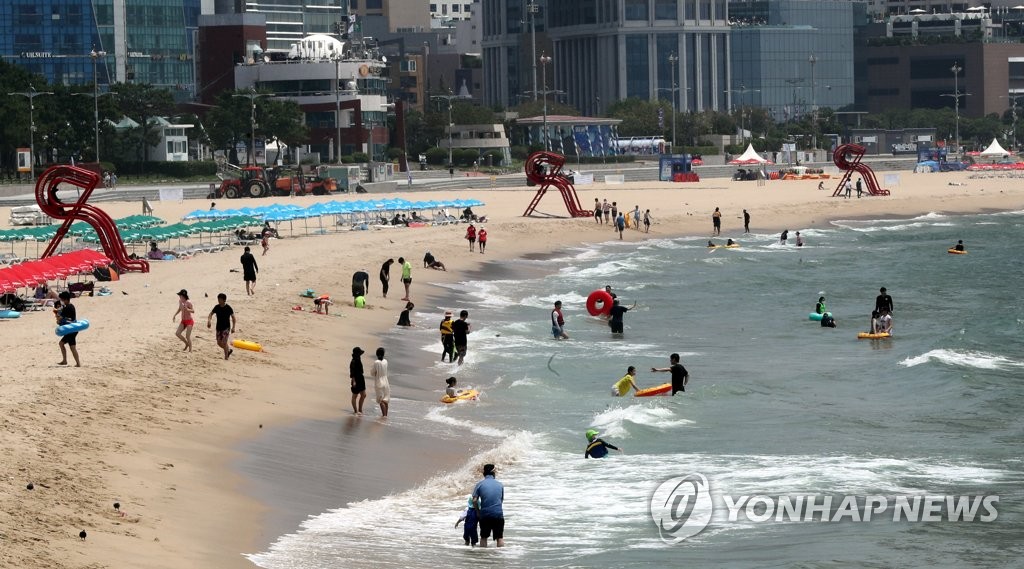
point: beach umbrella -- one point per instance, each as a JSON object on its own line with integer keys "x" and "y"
{"x": 5, "y": 285}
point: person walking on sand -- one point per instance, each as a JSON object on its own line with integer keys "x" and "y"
{"x": 606, "y": 208}
{"x": 647, "y": 221}
{"x": 680, "y": 377}
{"x": 385, "y": 275}
{"x": 558, "y": 322}
{"x": 860, "y": 187}
{"x": 460, "y": 331}
{"x": 67, "y": 315}
{"x": 746, "y": 222}
{"x": 636, "y": 217}
{"x": 615, "y": 213}
{"x": 597, "y": 211}
{"x": 482, "y": 239}
{"x": 225, "y": 323}
{"x": 849, "y": 188}
{"x": 471, "y": 236}
{"x": 488, "y": 496}
{"x": 381, "y": 386}
{"x": 406, "y": 275}
{"x": 620, "y": 224}
{"x": 716, "y": 222}
{"x": 249, "y": 270}
{"x": 358, "y": 380}
{"x": 186, "y": 310}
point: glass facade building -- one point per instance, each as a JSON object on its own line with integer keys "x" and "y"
{"x": 773, "y": 42}
{"x": 144, "y": 41}
{"x": 606, "y": 50}
{"x": 288, "y": 21}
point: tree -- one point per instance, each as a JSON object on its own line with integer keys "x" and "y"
{"x": 229, "y": 121}
{"x": 282, "y": 120}
{"x": 141, "y": 102}
{"x": 640, "y": 117}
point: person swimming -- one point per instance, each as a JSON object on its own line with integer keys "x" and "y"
{"x": 729, "y": 242}
{"x": 711, "y": 244}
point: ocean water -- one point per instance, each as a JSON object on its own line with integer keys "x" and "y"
{"x": 776, "y": 405}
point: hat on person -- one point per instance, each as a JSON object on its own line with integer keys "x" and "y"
{"x": 592, "y": 434}
{"x": 183, "y": 292}
{"x": 447, "y": 312}
{"x": 357, "y": 351}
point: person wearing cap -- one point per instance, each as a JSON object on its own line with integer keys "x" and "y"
{"x": 360, "y": 283}
{"x": 481, "y": 238}
{"x": 447, "y": 337}
{"x": 186, "y": 310}
{"x": 597, "y": 448}
{"x": 488, "y": 496}
{"x": 469, "y": 533}
{"x": 355, "y": 373}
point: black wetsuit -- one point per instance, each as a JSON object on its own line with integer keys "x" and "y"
{"x": 679, "y": 376}
{"x": 616, "y": 318}
{"x": 883, "y": 303}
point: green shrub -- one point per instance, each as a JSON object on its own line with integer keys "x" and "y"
{"x": 360, "y": 157}
{"x": 436, "y": 156}
{"x": 520, "y": 152}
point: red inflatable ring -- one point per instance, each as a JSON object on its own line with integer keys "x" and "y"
{"x": 602, "y": 298}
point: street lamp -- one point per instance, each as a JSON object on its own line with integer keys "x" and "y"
{"x": 743, "y": 90}
{"x": 252, "y": 96}
{"x": 95, "y": 55}
{"x": 544, "y": 61}
{"x": 31, "y": 94}
{"x": 532, "y": 8}
{"x": 956, "y": 94}
{"x": 672, "y": 60}
{"x": 448, "y": 98}
{"x": 814, "y": 104}
{"x": 1013, "y": 110}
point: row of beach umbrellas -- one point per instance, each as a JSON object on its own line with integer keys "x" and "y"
{"x": 178, "y": 230}
{"x": 289, "y": 212}
{"x": 45, "y": 233}
{"x": 58, "y": 267}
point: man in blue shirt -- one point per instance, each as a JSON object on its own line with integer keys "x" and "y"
{"x": 488, "y": 496}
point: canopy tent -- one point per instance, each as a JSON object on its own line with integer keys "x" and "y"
{"x": 34, "y": 273}
{"x": 994, "y": 149}
{"x": 749, "y": 156}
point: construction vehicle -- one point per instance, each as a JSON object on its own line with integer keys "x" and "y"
{"x": 237, "y": 181}
{"x": 292, "y": 181}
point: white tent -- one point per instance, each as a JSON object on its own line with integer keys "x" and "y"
{"x": 749, "y": 156}
{"x": 994, "y": 149}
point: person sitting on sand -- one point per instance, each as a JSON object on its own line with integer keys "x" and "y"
{"x": 959, "y": 246}
{"x": 621, "y": 387}
{"x": 437, "y": 265}
{"x": 428, "y": 259}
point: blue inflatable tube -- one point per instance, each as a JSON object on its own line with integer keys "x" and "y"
{"x": 9, "y": 314}
{"x": 816, "y": 317}
{"x": 76, "y": 326}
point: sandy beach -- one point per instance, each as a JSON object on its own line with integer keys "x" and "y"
{"x": 162, "y": 432}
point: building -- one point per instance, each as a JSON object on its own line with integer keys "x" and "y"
{"x": 74, "y": 42}
{"x": 226, "y": 40}
{"x": 483, "y": 138}
{"x": 572, "y": 136}
{"x": 606, "y": 50}
{"x": 289, "y": 21}
{"x": 172, "y": 139}
{"x": 793, "y": 56}
{"x": 449, "y": 10}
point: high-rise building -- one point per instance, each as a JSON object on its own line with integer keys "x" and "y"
{"x": 289, "y": 21}
{"x": 605, "y": 50}
{"x": 132, "y": 41}
{"x": 793, "y": 56}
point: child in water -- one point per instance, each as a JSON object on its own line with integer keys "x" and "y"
{"x": 621, "y": 387}
{"x": 469, "y": 529}
{"x": 451, "y": 391}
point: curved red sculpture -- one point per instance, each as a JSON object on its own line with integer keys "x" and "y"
{"x": 86, "y": 180}
{"x": 857, "y": 152}
{"x": 545, "y": 170}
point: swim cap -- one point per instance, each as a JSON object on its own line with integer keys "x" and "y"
{"x": 592, "y": 434}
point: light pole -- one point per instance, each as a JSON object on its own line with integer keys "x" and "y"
{"x": 672, "y": 60}
{"x": 544, "y": 61}
{"x": 95, "y": 55}
{"x": 448, "y": 98}
{"x": 1013, "y": 110}
{"x": 31, "y": 94}
{"x": 532, "y": 10}
{"x": 743, "y": 90}
{"x": 252, "y": 96}
{"x": 956, "y": 94}
{"x": 814, "y": 104}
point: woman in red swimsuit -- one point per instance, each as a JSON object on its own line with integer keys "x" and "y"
{"x": 186, "y": 310}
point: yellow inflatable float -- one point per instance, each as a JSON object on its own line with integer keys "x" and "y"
{"x": 247, "y": 345}
{"x": 463, "y": 395}
{"x": 955, "y": 252}
{"x": 870, "y": 336}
